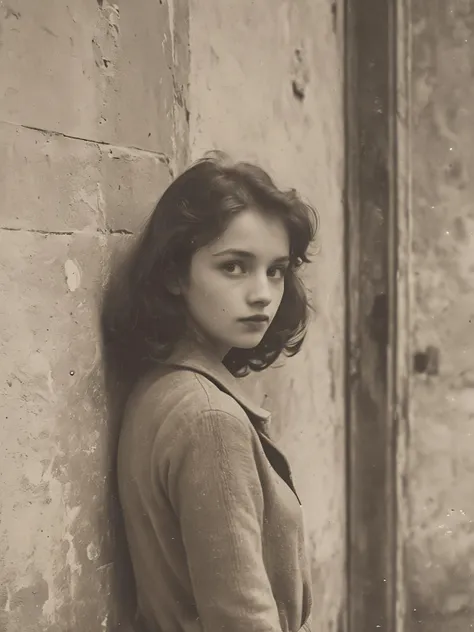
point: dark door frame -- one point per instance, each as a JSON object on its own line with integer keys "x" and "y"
{"x": 371, "y": 247}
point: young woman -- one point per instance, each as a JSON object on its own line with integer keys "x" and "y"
{"x": 210, "y": 292}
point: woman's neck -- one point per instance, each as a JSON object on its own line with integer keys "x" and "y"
{"x": 195, "y": 336}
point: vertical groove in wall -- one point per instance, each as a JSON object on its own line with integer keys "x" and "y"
{"x": 351, "y": 250}
{"x": 371, "y": 268}
{"x": 395, "y": 334}
{"x": 344, "y": 25}
{"x": 403, "y": 354}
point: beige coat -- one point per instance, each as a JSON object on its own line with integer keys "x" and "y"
{"x": 214, "y": 525}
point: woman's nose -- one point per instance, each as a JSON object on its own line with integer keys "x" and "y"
{"x": 260, "y": 292}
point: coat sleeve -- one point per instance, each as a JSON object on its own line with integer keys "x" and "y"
{"x": 215, "y": 490}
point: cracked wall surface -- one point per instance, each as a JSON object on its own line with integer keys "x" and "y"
{"x": 92, "y": 126}
{"x": 266, "y": 85}
{"x": 439, "y": 481}
{"x": 93, "y": 123}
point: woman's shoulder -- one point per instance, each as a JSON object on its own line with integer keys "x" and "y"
{"x": 180, "y": 395}
{"x": 180, "y": 412}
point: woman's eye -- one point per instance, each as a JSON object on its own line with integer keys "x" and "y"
{"x": 278, "y": 272}
{"x": 233, "y": 267}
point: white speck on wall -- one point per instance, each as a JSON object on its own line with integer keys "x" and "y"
{"x": 92, "y": 551}
{"x": 72, "y": 513}
{"x": 101, "y": 202}
{"x": 7, "y": 604}
{"x": 55, "y": 600}
{"x": 73, "y": 275}
{"x": 50, "y": 382}
{"x": 72, "y": 562}
{"x": 90, "y": 450}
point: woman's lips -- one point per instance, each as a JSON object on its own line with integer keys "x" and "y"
{"x": 255, "y": 322}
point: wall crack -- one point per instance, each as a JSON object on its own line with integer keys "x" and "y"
{"x": 162, "y": 157}
{"x": 117, "y": 231}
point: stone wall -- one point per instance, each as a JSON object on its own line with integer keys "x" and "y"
{"x": 92, "y": 127}
{"x": 266, "y": 85}
{"x": 439, "y": 480}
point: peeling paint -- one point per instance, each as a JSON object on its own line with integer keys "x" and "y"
{"x": 93, "y": 551}
{"x": 30, "y": 598}
{"x": 440, "y": 538}
{"x": 106, "y": 42}
{"x": 72, "y": 561}
{"x": 7, "y": 607}
{"x": 73, "y": 275}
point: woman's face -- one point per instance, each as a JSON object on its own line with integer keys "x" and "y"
{"x": 239, "y": 276}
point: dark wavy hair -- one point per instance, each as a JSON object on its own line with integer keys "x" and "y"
{"x": 142, "y": 320}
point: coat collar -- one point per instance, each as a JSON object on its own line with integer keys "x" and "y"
{"x": 191, "y": 355}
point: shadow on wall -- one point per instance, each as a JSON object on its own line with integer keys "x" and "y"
{"x": 122, "y": 597}
{"x": 122, "y": 589}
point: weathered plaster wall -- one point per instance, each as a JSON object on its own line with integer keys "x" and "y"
{"x": 266, "y": 85}
{"x": 92, "y": 124}
{"x": 440, "y": 547}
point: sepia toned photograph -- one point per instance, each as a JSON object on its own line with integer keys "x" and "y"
{"x": 237, "y": 316}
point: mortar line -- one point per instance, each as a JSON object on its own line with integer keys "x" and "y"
{"x": 162, "y": 157}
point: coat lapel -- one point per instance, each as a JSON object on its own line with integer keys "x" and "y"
{"x": 193, "y": 357}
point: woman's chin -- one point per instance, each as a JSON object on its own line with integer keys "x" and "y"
{"x": 249, "y": 342}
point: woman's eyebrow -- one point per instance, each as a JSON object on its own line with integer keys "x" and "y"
{"x": 245, "y": 254}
